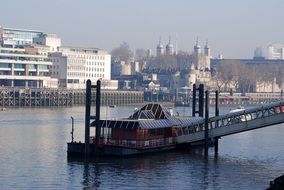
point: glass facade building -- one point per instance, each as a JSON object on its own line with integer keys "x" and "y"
{"x": 17, "y": 37}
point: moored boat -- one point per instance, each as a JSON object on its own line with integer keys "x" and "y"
{"x": 242, "y": 117}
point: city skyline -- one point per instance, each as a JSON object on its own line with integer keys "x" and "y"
{"x": 233, "y": 29}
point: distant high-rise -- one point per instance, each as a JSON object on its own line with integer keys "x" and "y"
{"x": 258, "y": 53}
{"x": 275, "y": 51}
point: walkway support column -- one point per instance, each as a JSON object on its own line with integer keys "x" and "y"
{"x": 216, "y": 145}
{"x": 87, "y": 116}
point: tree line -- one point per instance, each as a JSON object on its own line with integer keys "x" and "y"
{"x": 243, "y": 77}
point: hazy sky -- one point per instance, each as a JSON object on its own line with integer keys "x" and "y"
{"x": 233, "y": 28}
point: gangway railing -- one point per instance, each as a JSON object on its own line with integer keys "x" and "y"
{"x": 231, "y": 123}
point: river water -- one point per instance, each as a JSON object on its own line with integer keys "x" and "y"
{"x": 33, "y": 156}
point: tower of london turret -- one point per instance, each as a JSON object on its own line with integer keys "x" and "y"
{"x": 197, "y": 48}
{"x": 160, "y": 49}
{"x": 202, "y": 60}
{"x": 207, "y": 54}
{"x": 170, "y": 48}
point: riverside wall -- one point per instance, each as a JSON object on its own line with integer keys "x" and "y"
{"x": 43, "y": 97}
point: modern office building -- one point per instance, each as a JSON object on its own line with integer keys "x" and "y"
{"x": 24, "y": 67}
{"x": 74, "y": 66}
{"x": 10, "y": 37}
{"x": 21, "y": 64}
{"x": 31, "y": 58}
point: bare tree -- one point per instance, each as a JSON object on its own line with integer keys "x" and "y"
{"x": 244, "y": 77}
{"x": 228, "y": 72}
{"x": 218, "y": 80}
{"x": 122, "y": 53}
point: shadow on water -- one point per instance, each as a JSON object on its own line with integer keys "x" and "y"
{"x": 166, "y": 170}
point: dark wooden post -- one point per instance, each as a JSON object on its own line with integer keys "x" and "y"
{"x": 216, "y": 103}
{"x": 206, "y": 121}
{"x": 201, "y": 100}
{"x": 216, "y": 145}
{"x": 72, "y": 130}
{"x": 98, "y": 110}
{"x": 87, "y": 116}
{"x": 193, "y": 100}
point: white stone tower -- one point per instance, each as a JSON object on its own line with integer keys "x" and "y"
{"x": 170, "y": 48}
{"x": 160, "y": 49}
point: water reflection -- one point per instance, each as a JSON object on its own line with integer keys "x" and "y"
{"x": 91, "y": 176}
{"x": 169, "y": 170}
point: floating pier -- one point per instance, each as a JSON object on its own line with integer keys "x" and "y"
{"x": 152, "y": 128}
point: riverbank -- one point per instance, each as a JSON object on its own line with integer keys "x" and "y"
{"x": 35, "y": 97}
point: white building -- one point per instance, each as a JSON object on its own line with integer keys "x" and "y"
{"x": 24, "y": 67}
{"x": 275, "y": 51}
{"x": 49, "y": 40}
{"x": 125, "y": 68}
{"x": 74, "y": 66}
{"x": 271, "y": 86}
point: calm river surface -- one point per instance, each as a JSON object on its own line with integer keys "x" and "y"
{"x": 33, "y": 156}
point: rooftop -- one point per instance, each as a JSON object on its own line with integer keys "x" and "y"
{"x": 151, "y": 116}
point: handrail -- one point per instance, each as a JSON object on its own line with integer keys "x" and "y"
{"x": 142, "y": 144}
{"x": 239, "y": 117}
{"x": 247, "y": 111}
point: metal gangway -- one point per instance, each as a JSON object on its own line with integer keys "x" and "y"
{"x": 231, "y": 123}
